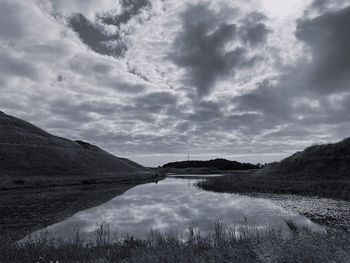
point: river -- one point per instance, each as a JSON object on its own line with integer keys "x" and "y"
{"x": 175, "y": 205}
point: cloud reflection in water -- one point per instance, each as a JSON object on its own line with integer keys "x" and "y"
{"x": 174, "y": 205}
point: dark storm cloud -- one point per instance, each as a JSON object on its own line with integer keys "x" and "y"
{"x": 130, "y": 9}
{"x": 320, "y": 5}
{"x": 200, "y": 48}
{"x": 142, "y": 104}
{"x": 253, "y": 31}
{"x": 94, "y": 36}
{"x": 323, "y": 5}
{"x": 136, "y": 72}
{"x": 96, "y": 39}
{"x": 328, "y": 38}
{"x": 311, "y": 93}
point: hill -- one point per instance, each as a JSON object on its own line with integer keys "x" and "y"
{"x": 318, "y": 162}
{"x": 219, "y": 164}
{"x": 319, "y": 170}
{"x": 28, "y": 151}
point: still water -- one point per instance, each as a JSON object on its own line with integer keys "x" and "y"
{"x": 174, "y": 205}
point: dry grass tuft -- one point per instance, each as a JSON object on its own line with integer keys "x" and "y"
{"x": 221, "y": 245}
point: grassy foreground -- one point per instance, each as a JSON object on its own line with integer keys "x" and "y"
{"x": 222, "y": 245}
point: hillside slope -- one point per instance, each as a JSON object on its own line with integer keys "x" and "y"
{"x": 319, "y": 162}
{"x": 26, "y": 150}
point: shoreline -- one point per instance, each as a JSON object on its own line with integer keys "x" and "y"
{"x": 26, "y": 210}
{"x": 326, "y": 209}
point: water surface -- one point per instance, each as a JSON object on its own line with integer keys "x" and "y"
{"x": 170, "y": 175}
{"x": 174, "y": 205}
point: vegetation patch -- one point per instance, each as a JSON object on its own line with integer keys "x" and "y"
{"x": 222, "y": 245}
{"x": 338, "y": 189}
{"x": 219, "y": 164}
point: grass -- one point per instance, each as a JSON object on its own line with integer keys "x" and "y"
{"x": 337, "y": 189}
{"x": 9, "y": 182}
{"x": 221, "y": 245}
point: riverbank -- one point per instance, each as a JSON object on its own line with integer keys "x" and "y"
{"x": 324, "y": 202}
{"x": 324, "y": 211}
{"x": 221, "y": 245}
{"x": 25, "y": 209}
{"x": 236, "y": 182}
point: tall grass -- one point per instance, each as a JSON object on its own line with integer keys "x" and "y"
{"x": 221, "y": 245}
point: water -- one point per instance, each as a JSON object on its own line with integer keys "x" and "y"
{"x": 174, "y": 205}
{"x": 192, "y": 175}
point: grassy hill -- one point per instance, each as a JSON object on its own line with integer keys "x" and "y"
{"x": 318, "y": 162}
{"x": 27, "y": 152}
{"x": 322, "y": 170}
{"x": 45, "y": 179}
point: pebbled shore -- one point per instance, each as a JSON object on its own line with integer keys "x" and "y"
{"x": 324, "y": 211}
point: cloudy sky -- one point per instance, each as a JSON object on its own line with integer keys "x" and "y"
{"x": 155, "y": 80}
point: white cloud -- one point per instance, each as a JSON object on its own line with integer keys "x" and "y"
{"x": 89, "y": 8}
{"x": 23, "y": 22}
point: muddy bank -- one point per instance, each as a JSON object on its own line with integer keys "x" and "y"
{"x": 29, "y": 209}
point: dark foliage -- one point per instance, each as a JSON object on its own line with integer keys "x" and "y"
{"x": 220, "y": 164}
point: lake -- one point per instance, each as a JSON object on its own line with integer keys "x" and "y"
{"x": 174, "y": 205}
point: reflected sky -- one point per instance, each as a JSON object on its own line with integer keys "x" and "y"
{"x": 174, "y": 205}
{"x": 193, "y": 175}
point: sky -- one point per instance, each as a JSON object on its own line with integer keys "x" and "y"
{"x": 158, "y": 80}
